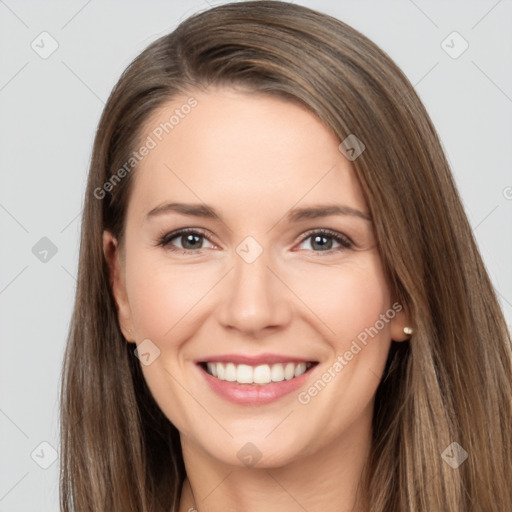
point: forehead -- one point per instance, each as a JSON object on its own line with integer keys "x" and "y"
{"x": 252, "y": 152}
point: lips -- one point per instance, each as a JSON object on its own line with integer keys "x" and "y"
{"x": 255, "y": 379}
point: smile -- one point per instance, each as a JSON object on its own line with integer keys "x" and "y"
{"x": 255, "y": 380}
{"x": 261, "y": 375}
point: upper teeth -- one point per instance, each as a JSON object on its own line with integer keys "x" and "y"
{"x": 261, "y": 374}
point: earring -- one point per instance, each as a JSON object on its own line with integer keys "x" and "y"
{"x": 408, "y": 330}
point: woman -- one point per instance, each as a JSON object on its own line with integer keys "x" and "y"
{"x": 280, "y": 301}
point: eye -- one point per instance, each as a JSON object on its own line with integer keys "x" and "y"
{"x": 323, "y": 239}
{"x": 191, "y": 240}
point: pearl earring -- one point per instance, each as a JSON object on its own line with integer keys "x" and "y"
{"x": 408, "y": 330}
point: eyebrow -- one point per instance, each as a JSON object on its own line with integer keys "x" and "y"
{"x": 295, "y": 215}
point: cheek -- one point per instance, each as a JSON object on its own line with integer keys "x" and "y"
{"x": 168, "y": 300}
{"x": 156, "y": 301}
{"x": 349, "y": 301}
{"x": 346, "y": 298}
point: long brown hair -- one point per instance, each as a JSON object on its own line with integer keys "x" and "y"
{"x": 452, "y": 382}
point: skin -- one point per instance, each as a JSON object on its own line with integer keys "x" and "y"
{"x": 253, "y": 158}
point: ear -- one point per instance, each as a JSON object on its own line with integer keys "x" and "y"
{"x": 400, "y": 321}
{"x": 113, "y": 257}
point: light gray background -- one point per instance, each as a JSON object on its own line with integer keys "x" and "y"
{"x": 49, "y": 109}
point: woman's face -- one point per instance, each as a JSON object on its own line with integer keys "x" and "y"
{"x": 255, "y": 288}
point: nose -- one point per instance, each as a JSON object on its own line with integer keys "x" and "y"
{"x": 254, "y": 299}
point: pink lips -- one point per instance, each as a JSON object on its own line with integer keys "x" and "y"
{"x": 253, "y": 394}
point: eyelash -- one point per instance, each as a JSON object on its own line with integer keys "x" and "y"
{"x": 165, "y": 240}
